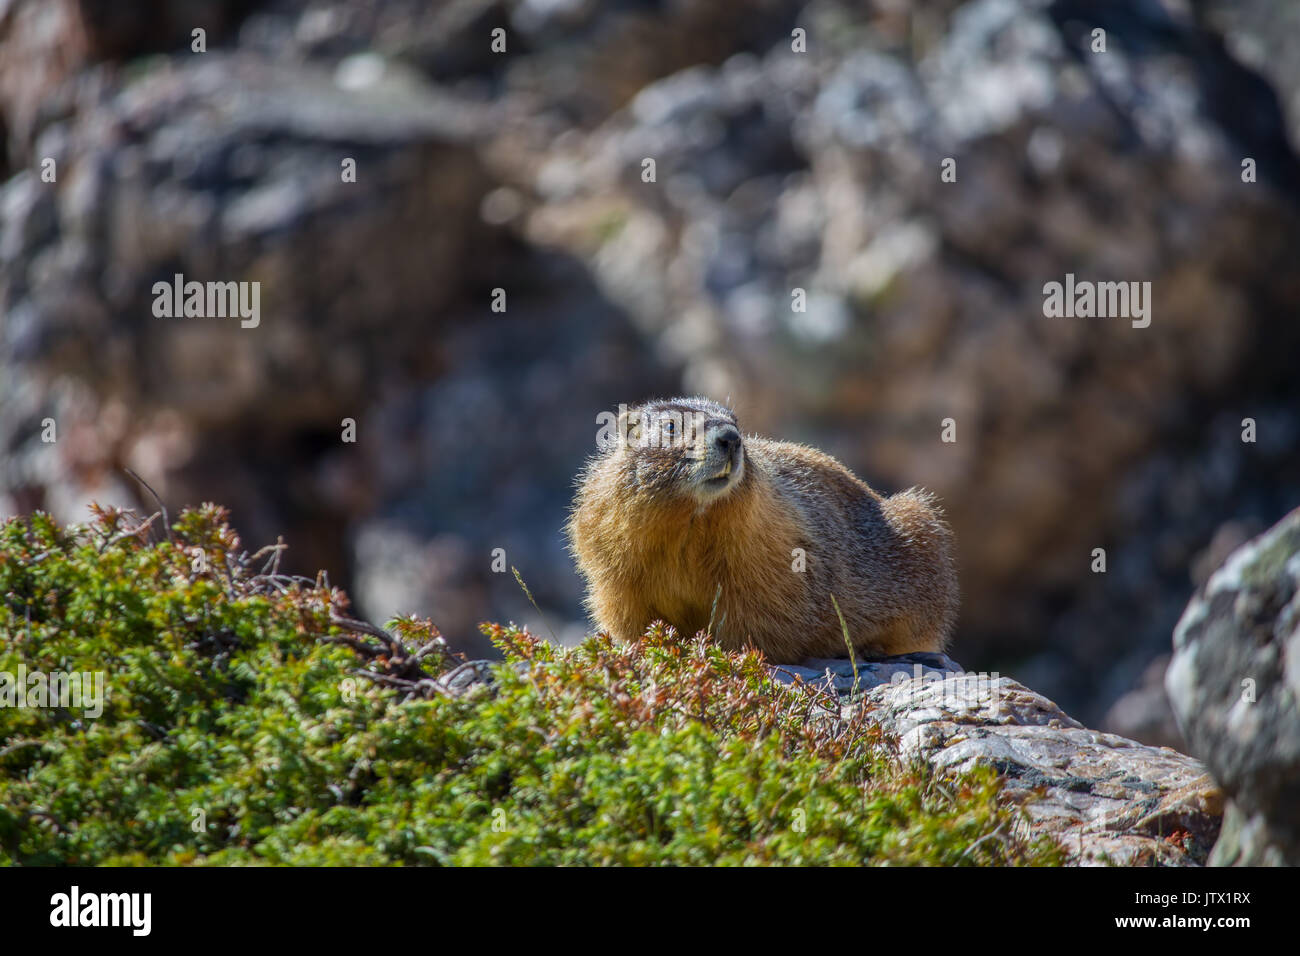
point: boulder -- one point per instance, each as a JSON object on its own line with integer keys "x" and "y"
{"x": 1104, "y": 798}
{"x": 1234, "y": 682}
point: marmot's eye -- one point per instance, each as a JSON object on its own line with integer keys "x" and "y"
{"x": 669, "y": 426}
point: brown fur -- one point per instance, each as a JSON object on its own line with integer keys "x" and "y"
{"x": 652, "y": 546}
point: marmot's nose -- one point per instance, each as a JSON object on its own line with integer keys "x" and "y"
{"x": 727, "y": 438}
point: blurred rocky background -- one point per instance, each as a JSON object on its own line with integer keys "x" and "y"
{"x": 775, "y": 170}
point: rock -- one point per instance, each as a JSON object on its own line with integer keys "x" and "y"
{"x": 42, "y": 44}
{"x": 157, "y": 177}
{"x": 1260, "y": 35}
{"x": 1234, "y": 682}
{"x": 844, "y": 676}
{"x": 1105, "y": 798}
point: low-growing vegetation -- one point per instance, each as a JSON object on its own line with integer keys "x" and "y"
{"x": 247, "y": 720}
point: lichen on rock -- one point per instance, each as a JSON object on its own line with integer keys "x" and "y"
{"x": 1105, "y": 798}
{"x": 1234, "y": 682}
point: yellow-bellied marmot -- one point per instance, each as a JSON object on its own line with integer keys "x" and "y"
{"x": 680, "y": 503}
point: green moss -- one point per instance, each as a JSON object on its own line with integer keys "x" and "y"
{"x": 238, "y": 729}
{"x": 609, "y": 225}
{"x": 1265, "y": 570}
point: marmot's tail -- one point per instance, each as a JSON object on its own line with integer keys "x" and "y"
{"x": 916, "y": 517}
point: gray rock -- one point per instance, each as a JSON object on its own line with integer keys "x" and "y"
{"x": 844, "y": 676}
{"x": 1106, "y": 799}
{"x": 159, "y": 175}
{"x": 1234, "y": 683}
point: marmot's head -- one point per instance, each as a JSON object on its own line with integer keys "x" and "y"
{"x": 685, "y": 447}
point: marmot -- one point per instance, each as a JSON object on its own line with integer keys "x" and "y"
{"x": 680, "y": 503}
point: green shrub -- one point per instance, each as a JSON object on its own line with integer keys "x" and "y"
{"x": 238, "y": 707}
